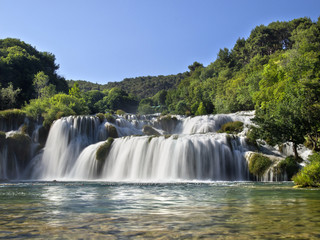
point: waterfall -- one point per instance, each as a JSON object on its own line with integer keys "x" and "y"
{"x": 134, "y": 148}
{"x": 201, "y": 157}
{"x": 194, "y": 151}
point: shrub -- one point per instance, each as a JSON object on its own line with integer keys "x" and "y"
{"x": 110, "y": 118}
{"x": 104, "y": 149}
{"x": 309, "y": 176}
{"x": 231, "y": 127}
{"x": 258, "y": 164}
{"x": 120, "y": 112}
{"x": 290, "y": 166}
{"x": 252, "y": 136}
{"x": 101, "y": 116}
{"x": 145, "y": 109}
{"x": 60, "y": 105}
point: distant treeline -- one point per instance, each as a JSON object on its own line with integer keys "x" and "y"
{"x": 142, "y": 87}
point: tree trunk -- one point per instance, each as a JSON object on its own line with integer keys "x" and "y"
{"x": 295, "y": 151}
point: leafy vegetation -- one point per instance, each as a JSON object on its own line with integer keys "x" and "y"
{"x": 19, "y": 64}
{"x": 309, "y": 176}
{"x": 290, "y": 166}
{"x": 232, "y": 127}
{"x": 258, "y": 164}
{"x": 275, "y": 71}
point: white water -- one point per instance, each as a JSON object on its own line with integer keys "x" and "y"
{"x": 195, "y": 151}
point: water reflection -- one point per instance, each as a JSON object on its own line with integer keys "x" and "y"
{"x": 186, "y": 210}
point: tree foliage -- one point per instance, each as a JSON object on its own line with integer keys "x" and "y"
{"x": 20, "y": 63}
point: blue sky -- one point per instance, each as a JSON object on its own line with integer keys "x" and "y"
{"x": 109, "y": 40}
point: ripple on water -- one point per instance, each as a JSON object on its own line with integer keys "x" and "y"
{"x": 219, "y": 210}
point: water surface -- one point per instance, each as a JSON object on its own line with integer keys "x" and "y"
{"x": 187, "y": 210}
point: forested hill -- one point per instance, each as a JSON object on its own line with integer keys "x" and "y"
{"x": 141, "y": 87}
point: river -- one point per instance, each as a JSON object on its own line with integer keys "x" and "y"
{"x": 168, "y": 210}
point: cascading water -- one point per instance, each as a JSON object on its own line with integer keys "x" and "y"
{"x": 195, "y": 151}
{"x": 201, "y": 157}
{"x": 132, "y": 148}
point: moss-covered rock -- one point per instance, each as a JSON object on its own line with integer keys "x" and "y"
{"x": 110, "y": 118}
{"x": 168, "y": 123}
{"x": 149, "y": 130}
{"x": 11, "y": 119}
{"x": 103, "y": 150}
{"x": 19, "y": 146}
{"x": 101, "y": 116}
{"x": 112, "y": 131}
{"x": 259, "y": 164}
{"x": 231, "y": 127}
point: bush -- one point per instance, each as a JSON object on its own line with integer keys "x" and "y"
{"x": 110, "y": 118}
{"x": 231, "y": 127}
{"x": 103, "y": 150}
{"x": 101, "y": 116}
{"x": 258, "y": 164}
{"x": 309, "y": 176}
{"x": 145, "y": 109}
{"x": 252, "y": 136}
{"x": 120, "y": 112}
{"x": 60, "y": 105}
{"x": 290, "y": 166}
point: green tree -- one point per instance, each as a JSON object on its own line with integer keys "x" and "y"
{"x": 181, "y": 107}
{"x": 20, "y": 62}
{"x": 201, "y": 110}
{"x": 75, "y": 90}
{"x": 8, "y": 97}
{"x": 42, "y": 86}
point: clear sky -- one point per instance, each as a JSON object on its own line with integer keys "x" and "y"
{"x": 109, "y": 40}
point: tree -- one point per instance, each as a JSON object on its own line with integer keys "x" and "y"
{"x": 20, "y": 62}
{"x": 75, "y": 90}
{"x": 181, "y": 108}
{"x": 42, "y": 86}
{"x": 201, "y": 110}
{"x": 8, "y": 97}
